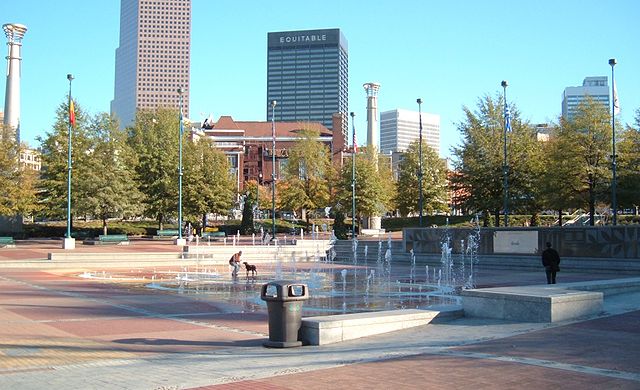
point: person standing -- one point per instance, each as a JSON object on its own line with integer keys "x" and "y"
{"x": 551, "y": 263}
{"x": 234, "y": 261}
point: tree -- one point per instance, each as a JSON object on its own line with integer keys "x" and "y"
{"x": 585, "y": 143}
{"x": 17, "y": 182}
{"x": 306, "y": 177}
{"x": 208, "y": 186}
{"x": 53, "y": 190}
{"x": 629, "y": 165}
{"x": 109, "y": 180}
{"x": 434, "y": 181}
{"x": 154, "y": 138}
{"x": 480, "y": 159}
{"x": 374, "y": 190}
{"x": 559, "y": 185}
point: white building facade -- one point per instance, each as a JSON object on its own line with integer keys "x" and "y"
{"x": 399, "y": 128}
{"x": 595, "y": 87}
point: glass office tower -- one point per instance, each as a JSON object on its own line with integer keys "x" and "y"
{"x": 307, "y": 74}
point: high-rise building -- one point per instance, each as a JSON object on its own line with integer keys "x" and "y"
{"x": 307, "y": 75}
{"x": 595, "y": 87}
{"x": 399, "y": 128}
{"x": 153, "y": 57}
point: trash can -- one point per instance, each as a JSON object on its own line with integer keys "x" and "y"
{"x": 284, "y": 305}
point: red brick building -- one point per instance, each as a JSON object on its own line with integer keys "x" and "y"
{"x": 248, "y": 145}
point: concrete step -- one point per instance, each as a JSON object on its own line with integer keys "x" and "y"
{"x": 337, "y": 328}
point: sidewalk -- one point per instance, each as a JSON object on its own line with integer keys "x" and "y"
{"x": 61, "y": 332}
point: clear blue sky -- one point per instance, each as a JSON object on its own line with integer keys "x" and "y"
{"x": 449, "y": 53}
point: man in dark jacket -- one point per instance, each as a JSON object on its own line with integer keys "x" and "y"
{"x": 551, "y": 263}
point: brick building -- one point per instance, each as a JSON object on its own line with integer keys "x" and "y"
{"x": 248, "y": 144}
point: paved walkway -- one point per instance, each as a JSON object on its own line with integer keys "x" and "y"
{"x": 61, "y": 332}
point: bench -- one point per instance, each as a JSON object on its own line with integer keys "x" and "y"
{"x": 7, "y": 242}
{"x": 163, "y": 234}
{"x": 213, "y": 235}
{"x": 105, "y": 239}
{"x": 539, "y": 303}
{"x": 333, "y": 329}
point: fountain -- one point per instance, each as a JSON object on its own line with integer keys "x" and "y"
{"x": 337, "y": 285}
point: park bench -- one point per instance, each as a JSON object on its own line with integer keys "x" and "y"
{"x": 166, "y": 234}
{"x": 106, "y": 239}
{"x": 213, "y": 235}
{"x": 7, "y": 242}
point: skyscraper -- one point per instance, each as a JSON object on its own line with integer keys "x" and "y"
{"x": 153, "y": 56}
{"x": 595, "y": 87}
{"x": 399, "y": 128}
{"x": 307, "y": 74}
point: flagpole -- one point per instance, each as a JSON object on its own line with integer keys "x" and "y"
{"x": 71, "y": 120}
{"x": 614, "y": 200}
{"x": 180, "y": 240}
{"x": 505, "y": 166}
{"x": 353, "y": 178}
{"x": 420, "y": 173}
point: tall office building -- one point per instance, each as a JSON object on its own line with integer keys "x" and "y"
{"x": 399, "y": 128}
{"x": 595, "y": 87}
{"x": 153, "y": 57}
{"x": 307, "y": 75}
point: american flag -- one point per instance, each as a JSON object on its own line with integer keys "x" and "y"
{"x": 355, "y": 144}
{"x": 507, "y": 119}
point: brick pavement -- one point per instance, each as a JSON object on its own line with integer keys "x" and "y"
{"x": 57, "y": 331}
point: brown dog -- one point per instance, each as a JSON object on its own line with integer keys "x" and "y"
{"x": 250, "y": 268}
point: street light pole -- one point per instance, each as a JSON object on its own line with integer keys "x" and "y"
{"x": 258, "y": 195}
{"x": 180, "y": 92}
{"x": 273, "y": 168}
{"x": 614, "y": 200}
{"x": 420, "y": 172}
{"x": 505, "y": 166}
{"x": 353, "y": 178}
{"x": 69, "y": 167}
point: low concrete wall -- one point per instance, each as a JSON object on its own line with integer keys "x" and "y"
{"x": 621, "y": 242}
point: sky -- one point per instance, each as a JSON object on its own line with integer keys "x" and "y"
{"x": 449, "y": 53}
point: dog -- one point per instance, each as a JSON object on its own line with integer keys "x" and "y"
{"x": 250, "y": 268}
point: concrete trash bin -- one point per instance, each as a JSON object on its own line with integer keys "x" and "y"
{"x": 284, "y": 305}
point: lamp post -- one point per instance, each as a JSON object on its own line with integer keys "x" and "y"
{"x": 258, "y": 194}
{"x": 420, "y": 172}
{"x": 69, "y": 242}
{"x": 273, "y": 168}
{"x": 180, "y": 240}
{"x": 505, "y": 166}
{"x": 353, "y": 178}
{"x": 614, "y": 200}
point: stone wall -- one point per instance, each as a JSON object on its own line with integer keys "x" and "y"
{"x": 599, "y": 242}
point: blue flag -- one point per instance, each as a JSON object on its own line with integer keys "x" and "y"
{"x": 507, "y": 119}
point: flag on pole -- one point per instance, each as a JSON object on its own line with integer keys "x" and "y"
{"x": 507, "y": 119}
{"x": 355, "y": 144}
{"x": 616, "y": 103}
{"x": 72, "y": 114}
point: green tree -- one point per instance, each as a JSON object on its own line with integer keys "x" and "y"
{"x": 434, "y": 181}
{"x": 480, "y": 159}
{"x": 585, "y": 144}
{"x": 306, "y": 177}
{"x": 208, "y": 186}
{"x": 374, "y": 189}
{"x": 629, "y": 165}
{"x": 52, "y": 192}
{"x": 109, "y": 182}
{"x": 154, "y": 138}
{"x": 17, "y": 182}
{"x": 559, "y": 185}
